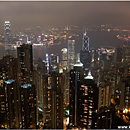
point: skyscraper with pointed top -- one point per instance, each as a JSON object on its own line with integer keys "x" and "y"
{"x": 85, "y": 44}
{"x": 8, "y": 44}
{"x": 85, "y": 56}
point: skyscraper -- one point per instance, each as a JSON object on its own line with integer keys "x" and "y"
{"x": 28, "y": 106}
{"x": 64, "y": 58}
{"x": 85, "y": 56}
{"x": 11, "y": 104}
{"x": 54, "y": 63}
{"x": 25, "y": 63}
{"x": 71, "y": 54}
{"x": 90, "y": 102}
{"x": 53, "y": 101}
{"x": 76, "y": 76}
{"x": 85, "y": 44}
{"x": 83, "y": 98}
{"x": 8, "y": 43}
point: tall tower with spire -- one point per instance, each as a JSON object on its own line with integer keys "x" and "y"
{"x": 9, "y": 50}
{"x": 85, "y": 45}
{"x": 85, "y": 56}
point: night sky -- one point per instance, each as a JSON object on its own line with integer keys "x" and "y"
{"x": 63, "y": 13}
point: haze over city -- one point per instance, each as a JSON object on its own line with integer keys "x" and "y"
{"x": 63, "y": 13}
{"x": 64, "y": 65}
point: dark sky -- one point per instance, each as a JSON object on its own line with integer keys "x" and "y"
{"x": 63, "y": 13}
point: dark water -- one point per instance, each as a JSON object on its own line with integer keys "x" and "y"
{"x": 96, "y": 40}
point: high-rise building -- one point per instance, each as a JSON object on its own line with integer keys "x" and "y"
{"x": 54, "y": 63}
{"x": 25, "y": 64}
{"x": 90, "y": 102}
{"x": 118, "y": 57}
{"x": 8, "y": 71}
{"x": 11, "y": 104}
{"x": 47, "y": 63}
{"x": 104, "y": 95}
{"x": 66, "y": 84}
{"x": 85, "y": 44}
{"x": 126, "y": 55}
{"x": 28, "y": 106}
{"x": 53, "y": 101}
{"x": 71, "y": 54}
{"x": 125, "y": 93}
{"x": 85, "y": 59}
{"x": 64, "y": 58}
{"x": 83, "y": 99}
{"x": 56, "y": 102}
{"x": 76, "y": 76}
{"x": 85, "y": 56}
{"x": 9, "y": 50}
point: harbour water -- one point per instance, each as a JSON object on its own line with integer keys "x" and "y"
{"x": 96, "y": 40}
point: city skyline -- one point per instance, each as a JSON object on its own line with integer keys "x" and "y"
{"x": 64, "y": 65}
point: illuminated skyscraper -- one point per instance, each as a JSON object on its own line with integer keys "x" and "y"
{"x": 28, "y": 106}
{"x": 8, "y": 43}
{"x": 76, "y": 76}
{"x": 11, "y": 104}
{"x": 53, "y": 101}
{"x": 90, "y": 102}
{"x": 47, "y": 63}
{"x": 85, "y": 56}
{"x": 25, "y": 63}
{"x": 54, "y": 63}
{"x": 85, "y": 43}
{"x": 71, "y": 54}
{"x": 64, "y": 58}
{"x": 83, "y": 98}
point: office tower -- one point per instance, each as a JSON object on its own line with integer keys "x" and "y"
{"x": 25, "y": 63}
{"x": 76, "y": 76}
{"x": 104, "y": 54}
{"x": 83, "y": 99}
{"x": 89, "y": 102}
{"x": 118, "y": 57}
{"x": 64, "y": 58}
{"x": 9, "y": 50}
{"x": 85, "y": 44}
{"x": 54, "y": 63}
{"x": 71, "y": 54}
{"x": 107, "y": 53}
{"x": 28, "y": 106}
{"x": 85, "y": 56}
{"x": 47, "y": 63}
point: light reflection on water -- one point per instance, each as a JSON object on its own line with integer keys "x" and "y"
{"x": 97, "y": 39}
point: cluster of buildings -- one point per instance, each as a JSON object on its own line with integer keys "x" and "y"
{"x": 88, "y": 90}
